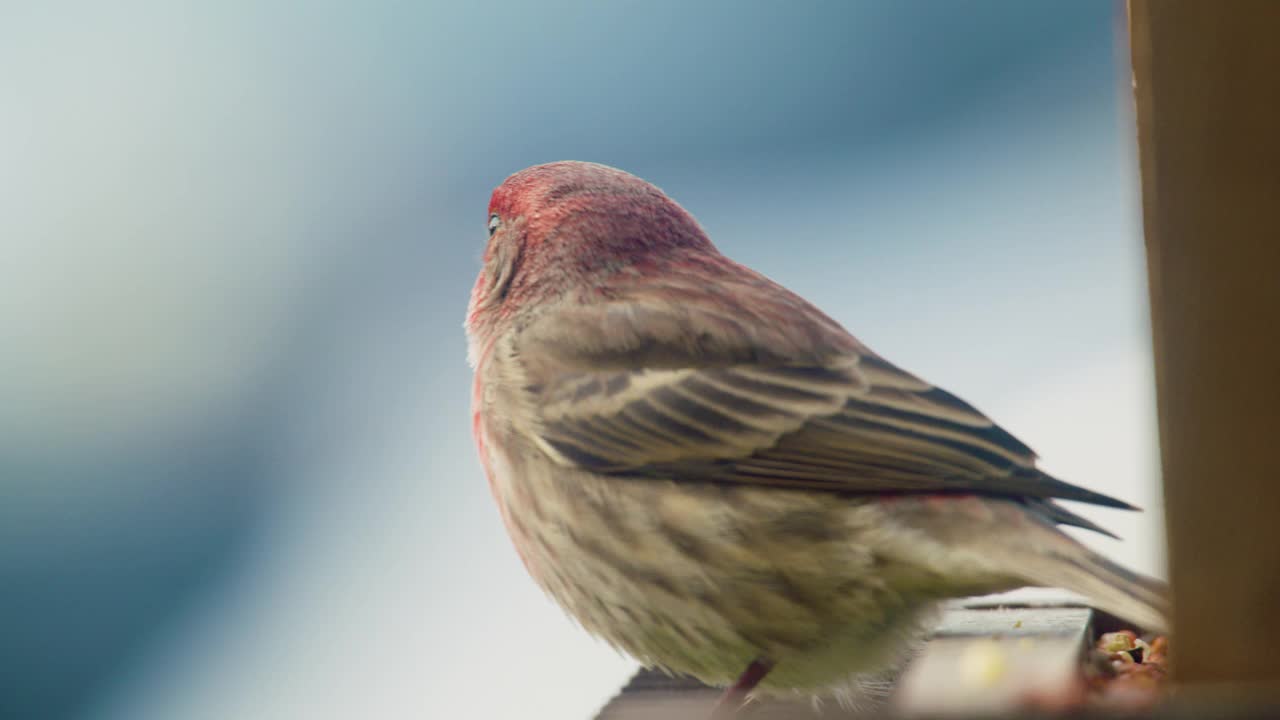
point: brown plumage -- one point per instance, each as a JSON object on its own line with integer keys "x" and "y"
{"x": 706, "y": 470}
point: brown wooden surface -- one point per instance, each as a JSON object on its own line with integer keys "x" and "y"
{"x": 1207, "y": 84}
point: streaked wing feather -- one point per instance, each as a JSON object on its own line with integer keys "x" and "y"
{"x": 629, "y": 420}
{"x": 1062, "y": 516}
{"x": 857, "y": 425}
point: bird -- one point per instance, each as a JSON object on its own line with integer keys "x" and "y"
{"x": 716, "y": 478}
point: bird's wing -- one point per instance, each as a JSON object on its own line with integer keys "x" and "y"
{"x": 861, "y": 426}
{"x": 715, "y": 389}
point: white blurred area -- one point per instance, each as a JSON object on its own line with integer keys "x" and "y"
{"x": 236, "y": 476}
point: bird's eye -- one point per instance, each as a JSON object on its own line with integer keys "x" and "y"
{"x": 494, "y": 222}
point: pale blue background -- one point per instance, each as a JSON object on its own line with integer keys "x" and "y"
{"x": 236, "y": 241}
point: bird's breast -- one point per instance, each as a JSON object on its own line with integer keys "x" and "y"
{"x": 702, "y": 579}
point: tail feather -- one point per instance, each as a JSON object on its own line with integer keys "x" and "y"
{"x": 994, "y": 545}
{"x": 1112, "y": 587}
{"x": 1126, "y": 594}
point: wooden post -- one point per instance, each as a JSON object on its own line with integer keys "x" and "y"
{"x": 1207, "y": 84}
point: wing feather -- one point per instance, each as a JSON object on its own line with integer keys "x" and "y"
{"x": 852, "y": 426}
{"x": 767, "y": 392}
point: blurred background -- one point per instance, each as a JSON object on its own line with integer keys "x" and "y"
{"x": 236, "y": 243}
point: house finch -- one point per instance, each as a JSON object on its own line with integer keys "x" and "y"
{"x": 715, "y": 477}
